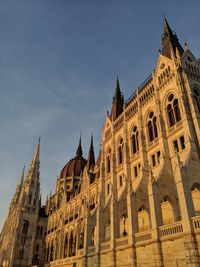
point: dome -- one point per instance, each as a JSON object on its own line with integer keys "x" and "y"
{"x": 75, "y": 166}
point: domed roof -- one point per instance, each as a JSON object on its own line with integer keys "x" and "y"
{"x": 75, "y": 166}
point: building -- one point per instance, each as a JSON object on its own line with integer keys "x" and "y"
{"x": 138, "y": 204}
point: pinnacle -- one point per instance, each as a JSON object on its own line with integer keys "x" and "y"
{"x": 37, "y": 151}
{"x": 91, "y": 157}
{"x": 79, "y": 151}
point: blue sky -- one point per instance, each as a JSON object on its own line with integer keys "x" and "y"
{"x": 58, "y": 66}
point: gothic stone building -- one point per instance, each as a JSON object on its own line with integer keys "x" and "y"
{"x": 138, "y": 205}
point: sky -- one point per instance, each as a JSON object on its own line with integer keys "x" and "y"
{"x": 59, "y": 60}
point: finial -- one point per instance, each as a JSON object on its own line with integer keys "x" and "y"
{"x": 39, "y": 139}
{"x": 186, "y": 45}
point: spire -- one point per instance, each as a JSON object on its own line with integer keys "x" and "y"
{"x": 167, "y": 29}
{"x": 118, "y": 95}
{"x": 33, "y": 170}
{"x": 170, "y": 41}
{"x": 79, "y": 151}
{"x": 37, "y": 151}
{"x": 118, "y": 102}
{"x": 91, "y": 157}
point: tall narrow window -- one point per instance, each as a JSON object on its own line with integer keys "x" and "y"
{"x": 152, "y": 127}
{"x": 108, "y": 161}
{"x": 120, "y": 151}
{"x": 120, "y": 180}
{"x": 135, "y": 141}
{"x": 173, "y": 110}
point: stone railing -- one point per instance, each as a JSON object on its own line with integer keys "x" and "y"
{"x": 196, "y": 222}
{"x": 105, "y": 245}
{"x": 122, "y": 241}
{"x": 143, "y": 236}
{"x": 171, "y": 229}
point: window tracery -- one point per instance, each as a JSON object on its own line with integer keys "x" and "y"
{"x": 173, "y": 110}
{"x": 135, "y": 140}
{"x": 152, "y": 126}
{"x": 120, "y": 151}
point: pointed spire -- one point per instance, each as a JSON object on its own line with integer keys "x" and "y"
{"x": 91, "y": 156}
{"x": 79, "y": 151}
{"x": 118, "y": 94}
{"x": 37, "y": 151}
{"x": 118, "y": 102}
{"x": 167, "y": 29}
{"x": 170, "y": 41}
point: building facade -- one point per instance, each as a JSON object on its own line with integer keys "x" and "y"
{"x": 138, "y": 204}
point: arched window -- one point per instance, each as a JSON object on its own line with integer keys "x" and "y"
{"x": 143, "y": 220}
{"x": 196, "y": 94}
{"x": 167, "y": 211}
{"x": 120, "y": 151}
{"x": 108, "y": 161}
{"x": 71, "y": 244}
{"x": 173, "y": 111}
{"x": 195, "y": 191}
{"x": 135, "y": 141}
{"x": 74, "y": 247}
{"x": 51, "y": 252}
{"x": 65, "y": 246}
{"x": 81, "y": 239}
{"x": 152, "y": 127}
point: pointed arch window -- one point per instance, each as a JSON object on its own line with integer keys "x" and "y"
{"x": 120, "y": 151}
{"x": 65, "y": 246}
{"x": 196, "y": 94}
{"x": 108, "y": 167}
{"x": 173, "y": 110}
{"x": 51, "y": 252}
{"x": 71, "y": 244}
{"x": 152, "y": 126}
{"x": 135, "y": 140}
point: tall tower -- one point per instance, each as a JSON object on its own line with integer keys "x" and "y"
{"x": 19, "y": 230}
